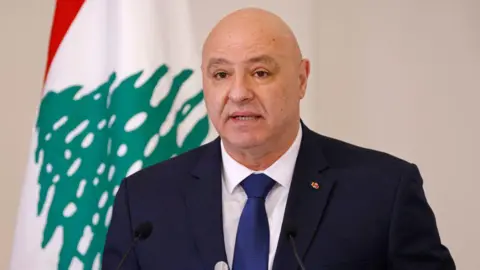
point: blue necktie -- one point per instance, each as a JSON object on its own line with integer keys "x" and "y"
{"x": 253, "y": 235}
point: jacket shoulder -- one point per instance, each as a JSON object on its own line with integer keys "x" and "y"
{"x": 173, "y": 167}
{"x": 341, "y": 153}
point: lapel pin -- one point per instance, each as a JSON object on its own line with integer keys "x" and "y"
{"x": 315, "y": 185}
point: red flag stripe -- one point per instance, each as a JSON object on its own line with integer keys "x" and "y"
{"x": 65, "y": 13}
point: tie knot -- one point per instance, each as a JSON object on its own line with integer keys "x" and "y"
{"x": 257, "y": 185}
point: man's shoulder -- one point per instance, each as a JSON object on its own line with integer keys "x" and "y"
{"x": 173, "y": 167}
{"x": 368, "y": 170}
{"x": 344, "y": 154}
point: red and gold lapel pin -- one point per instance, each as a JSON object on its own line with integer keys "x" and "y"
{"x": 315, "y": 185}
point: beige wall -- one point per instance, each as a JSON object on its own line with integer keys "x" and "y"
{"x": 24, "y": 29}
{"x": 400, "y": 76}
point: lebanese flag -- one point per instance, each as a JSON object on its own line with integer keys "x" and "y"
{"x": 122, "y": 91}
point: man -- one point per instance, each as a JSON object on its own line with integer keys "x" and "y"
{"x": 269, "y": 188}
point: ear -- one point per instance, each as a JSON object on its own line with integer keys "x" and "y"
{"x": 304, "y": 72}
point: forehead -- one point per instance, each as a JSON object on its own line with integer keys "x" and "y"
{"x": 244, "y": 44}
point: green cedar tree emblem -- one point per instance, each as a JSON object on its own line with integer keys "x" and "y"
{"x": 90, "y": 144}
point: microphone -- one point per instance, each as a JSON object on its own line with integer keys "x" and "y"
{"x": 291, "y": 234}
{"x": 142, "y": 232}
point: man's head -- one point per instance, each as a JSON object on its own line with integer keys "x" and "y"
{"x": 253, "y": 78}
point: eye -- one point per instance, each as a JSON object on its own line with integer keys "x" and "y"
{"x": 261, "y": 73}
{"x": 220, "y": 75}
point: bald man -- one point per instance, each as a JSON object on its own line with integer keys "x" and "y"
{"x": 269, "y": 193}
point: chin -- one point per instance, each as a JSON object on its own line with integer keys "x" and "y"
{"x": 244, "y": 141}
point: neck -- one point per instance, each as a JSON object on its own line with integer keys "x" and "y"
{"x": 260, "y": 157}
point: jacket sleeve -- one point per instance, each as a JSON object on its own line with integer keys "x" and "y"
{"x": 120, "y": 234}
{"x": 414, "y": 241}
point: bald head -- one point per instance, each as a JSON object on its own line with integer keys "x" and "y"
{"x": 255, "y": 27}
{"x": 253, "y": 80}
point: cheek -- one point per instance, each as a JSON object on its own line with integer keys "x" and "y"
{"x": 278, "y": 105}
{"x": 214, "y": 101}
{"x": 273, "y": 104}
{"x": 281, "y": 97}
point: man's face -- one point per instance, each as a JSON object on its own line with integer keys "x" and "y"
{"x": 252, "y": 86}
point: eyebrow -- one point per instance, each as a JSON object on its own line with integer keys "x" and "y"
{"x": 217, "y": 61}
{"x": 266, "y": 59}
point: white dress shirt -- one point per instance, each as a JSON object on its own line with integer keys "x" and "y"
{"x": 234, "y": 197}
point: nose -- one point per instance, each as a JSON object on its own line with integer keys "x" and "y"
{"x": 241, "y": 90}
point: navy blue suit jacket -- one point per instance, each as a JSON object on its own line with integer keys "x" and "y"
{"x": 368, "y": 212}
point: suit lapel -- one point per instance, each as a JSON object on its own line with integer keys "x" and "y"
{"x": 306, "y": 201}
{"x": 204, "y": 206}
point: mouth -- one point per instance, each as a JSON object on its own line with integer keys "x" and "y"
{"x": 243, "y": 117}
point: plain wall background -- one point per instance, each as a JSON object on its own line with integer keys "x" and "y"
{"x": 398, "y": 76}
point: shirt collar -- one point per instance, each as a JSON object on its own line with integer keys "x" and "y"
{"x": 281, "y": 171}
